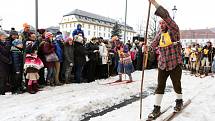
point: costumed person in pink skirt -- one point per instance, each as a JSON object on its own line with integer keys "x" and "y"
{"x": 125, "y": 63}
{"x": 32, "y": 64}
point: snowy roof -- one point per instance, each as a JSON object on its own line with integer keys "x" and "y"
{"x": 198, "y": 34}
{"x": 84, "y": 14}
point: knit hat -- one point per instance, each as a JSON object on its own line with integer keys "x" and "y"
{"x": 3, "y": 33}
{"x": 68, "y": 39}
{"x": 59, "y": 37}
{"x": 41, "y": 31}
{"x": 78, "y": 39}
{"x": 13, "y": 32}
{"x": 48, "y": 35}
{"x": 16, "y": 42}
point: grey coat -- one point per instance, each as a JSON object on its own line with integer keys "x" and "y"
{"x": 68, "y": 54}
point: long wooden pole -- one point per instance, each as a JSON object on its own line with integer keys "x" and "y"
{"x": 143, "y": 67}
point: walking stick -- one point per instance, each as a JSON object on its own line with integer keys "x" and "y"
{"x": 143, "y": 66}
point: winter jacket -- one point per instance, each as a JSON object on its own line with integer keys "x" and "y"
{"x": 68, "y": 54}
{"x": 40, "y": 50}
{"x": 48, "y": 48}
{"x": 94, "y": 56}
{"x": 78, "y": 31}
{"x": 32, "y": 63}
{"x": 5, "y": 58}
{"x": 103, "y": 53}
{"x": 17, "y": 59}
{"x": 80, "y": 53}
{"x": 58, "y": 50}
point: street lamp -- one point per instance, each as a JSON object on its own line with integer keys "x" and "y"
{"x": 126, "y": 7}
{"x": 36, "y": 15}
{"x": 174, "y": 11}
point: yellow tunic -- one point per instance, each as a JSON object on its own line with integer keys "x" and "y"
{"x": 165, "y": 40}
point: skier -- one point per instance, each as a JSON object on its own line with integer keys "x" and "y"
{"x": 125, "y": 63}
{"x": 206, "y": 59}
{"x": 170, "y": 59}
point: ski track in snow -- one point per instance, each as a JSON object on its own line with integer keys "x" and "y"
{"x": 71, "y": 102}
{"x": 202, "y": 107}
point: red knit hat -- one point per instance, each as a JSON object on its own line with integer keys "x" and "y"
{"x": 48, "y": 35}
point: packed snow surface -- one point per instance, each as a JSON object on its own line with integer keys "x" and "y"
{"x": 72, "y": 101}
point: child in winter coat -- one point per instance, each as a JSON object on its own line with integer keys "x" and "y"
{"x": 125, "y": 63}
{"x": 32, "y": 64}
{"x": 17, "y": 66}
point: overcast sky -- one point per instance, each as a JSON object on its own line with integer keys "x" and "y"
{"x": 190, "y": 14}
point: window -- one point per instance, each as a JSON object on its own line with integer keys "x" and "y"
{"x": 83, "y": 25}
{"x": 94, "y": 34}
{"x": 70, "y": 25}
{"x": 66, "y": 25}
{"x": 89, "y": 26}
{"x": 104, "y": 35}
{"x": 104, "y": 29}
{"x": 99, "y": 34}
{"x": 109, "y": 35}
{"x": 109, "y": 30}
{"x": 62, "y": 25}
{"x": 100, "y": 28}
{"x": 89, "y": 33}
{"x": 74, "y": 25}
{"x": 94, "y": 27}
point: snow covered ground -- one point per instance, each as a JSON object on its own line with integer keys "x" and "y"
{"x": 202, "y": 107}
{"x": 71, "y": 102}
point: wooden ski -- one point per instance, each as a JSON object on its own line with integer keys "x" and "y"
{"x": 162, "y": 112}
{"x": 174, "y": 114}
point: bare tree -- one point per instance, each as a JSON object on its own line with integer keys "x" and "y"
{"x": 153, "y": 27}
{"x": 140, "y": 27}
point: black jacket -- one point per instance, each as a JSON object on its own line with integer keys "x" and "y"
{"x": 5, "y": 58}
{"x": 90, "y": 48}
{"x": 80, "y": 53}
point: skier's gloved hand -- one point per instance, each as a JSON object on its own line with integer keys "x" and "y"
{"x": 176, "y": 43}
{"x": 71, "y": 64}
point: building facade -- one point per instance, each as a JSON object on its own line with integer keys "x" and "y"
{"x": 200, "y": 36}
{"x": 92, "y": 24}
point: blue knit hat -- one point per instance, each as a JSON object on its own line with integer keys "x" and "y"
{"x": 17, "y": 42}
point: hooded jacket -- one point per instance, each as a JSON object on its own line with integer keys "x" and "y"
{"x": 78, "y": 31}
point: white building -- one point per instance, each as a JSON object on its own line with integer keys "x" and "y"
{"x": 92, "y": 24}
{"x": 200, "y": 36}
